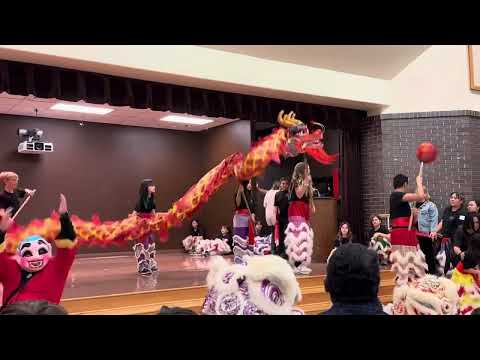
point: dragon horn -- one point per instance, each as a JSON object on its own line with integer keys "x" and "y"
{"x": 280, "y": 118}
{"x": 318, "y": 124}
{"x": 289, "y": 120}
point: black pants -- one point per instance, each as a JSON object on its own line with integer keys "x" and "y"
{"x": 280, "y": 250}
{"x": 426, "y": 245}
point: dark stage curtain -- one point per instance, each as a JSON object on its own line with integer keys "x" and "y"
{"x": 350, "y": 173}
{"x": 42, "y": 81}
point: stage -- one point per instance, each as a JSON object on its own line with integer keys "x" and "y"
{"x": 106, "y": 274}
{"x": 108, "y": 284}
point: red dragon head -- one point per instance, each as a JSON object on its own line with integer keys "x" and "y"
{"x": 301, "y": 140}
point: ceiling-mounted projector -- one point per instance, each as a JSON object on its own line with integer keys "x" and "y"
{"x": 30, "y": 142}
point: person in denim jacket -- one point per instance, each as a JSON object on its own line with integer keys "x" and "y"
{"x": 427, "y": 221}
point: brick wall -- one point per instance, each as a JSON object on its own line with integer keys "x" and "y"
{"x": 388, "y": 147}
{"x": 373, "y": 187}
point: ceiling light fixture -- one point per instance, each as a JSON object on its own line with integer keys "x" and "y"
{"x": 189, "y": 120}
{"x": 81, "y": 109}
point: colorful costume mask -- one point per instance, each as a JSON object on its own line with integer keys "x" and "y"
{"x": 33, "y": 253}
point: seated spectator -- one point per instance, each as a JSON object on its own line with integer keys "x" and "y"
{"x": 197, "y": 233}
{"x": 473, "y": 207}
{"x": 33, "y": 308}
{"x": 453, "y": 216}
{"x": 463, "y": 236}
{"x": 259, "y": 229}
{"x": 226, "y": 235}
{"x": 344, "y": 234}
{"x": 376, "y": 228}
{"x": 378, "y": 239}
{"x": 165, "y": 310}
{"x": 221, "y": 245}
{"x": 353, "y": 280}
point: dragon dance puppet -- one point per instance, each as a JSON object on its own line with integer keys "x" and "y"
{"x": 290, "y": 139}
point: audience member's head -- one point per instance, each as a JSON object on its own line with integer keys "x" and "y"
{"x": 353, "y": 275}
{"x": 472, "y": 207}
{"x": 225, "y": 230}
{"x": 427, "y": 194}
{"x": 258, "y": 227}
{"x": 471, "y": 224}
{"x": 165, "y": 310}
{"x": 195, "y": 224}
{"x": 344, "y": 230}
{"x": 456, "y": 199}
{"x": 375, "y": 221}
{"x": 474, "y": 247}
{"x": 33, "y": 308}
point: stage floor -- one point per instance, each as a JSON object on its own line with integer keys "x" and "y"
{"x": 94, "y": 275}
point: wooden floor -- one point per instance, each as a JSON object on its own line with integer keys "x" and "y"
{"x": 315, "y": 299}
{"x": 108, "y": 285}
{"x": 116, "y": 274}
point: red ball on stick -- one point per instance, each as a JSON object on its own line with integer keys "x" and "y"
{"x": 426, "y": 152}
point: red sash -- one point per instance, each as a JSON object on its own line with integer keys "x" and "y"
{"x": 299, "y": 208}
{"x": 400, "y": 222}
{"x": 400, "y": 234}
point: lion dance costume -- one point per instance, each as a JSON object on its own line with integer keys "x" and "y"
{"x": 429, "y": 295}
{"x": 266, "y": 285}
{"x": 299, "y": 234}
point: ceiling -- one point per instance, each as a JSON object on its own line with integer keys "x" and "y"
{"x": 26, "y": 105}
{"x": 378, "y": 61}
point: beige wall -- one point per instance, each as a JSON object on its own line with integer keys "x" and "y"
{"x": 438, "y": 80}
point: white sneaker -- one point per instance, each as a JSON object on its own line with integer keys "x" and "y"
{"x": 297, "y": 271}
{"x": 304, "y": 270}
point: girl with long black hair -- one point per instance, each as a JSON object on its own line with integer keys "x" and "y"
{"x": 145, "y": 247}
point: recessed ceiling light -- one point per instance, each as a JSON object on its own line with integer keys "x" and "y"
{"x": 190, "y": 120}
{"x": 81, "y": 109}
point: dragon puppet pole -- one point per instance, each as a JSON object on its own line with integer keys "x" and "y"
{"x": 420, "y": 173}
{"x": 21, "y": 207}
{"x": 246, "y": 203}
{"x": 310, "y": 190}
{"x": 251, "y": 228}
{"x": 426, "y": 153}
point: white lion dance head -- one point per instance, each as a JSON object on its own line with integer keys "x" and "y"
{"x": 429, "y": 295}
{"x": 266, "y": 285}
